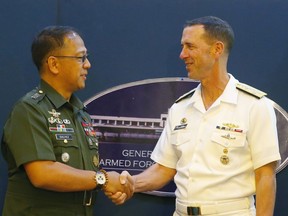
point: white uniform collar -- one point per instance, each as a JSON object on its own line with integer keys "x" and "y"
{"x": 229, "y": 94}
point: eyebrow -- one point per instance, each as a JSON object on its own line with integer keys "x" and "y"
{"x": 82, "y": 52}
{"x": 188, "y": 44}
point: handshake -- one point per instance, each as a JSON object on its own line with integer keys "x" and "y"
{"x": 119, "y": 187}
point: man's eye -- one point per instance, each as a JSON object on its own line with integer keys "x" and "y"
{"x": 191, "y": 47}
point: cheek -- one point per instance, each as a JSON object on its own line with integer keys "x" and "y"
{"x": 205, "y": 57}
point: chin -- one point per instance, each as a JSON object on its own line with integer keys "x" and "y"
{"x": 81, "y": 87}
{"x": 190, "y": 75}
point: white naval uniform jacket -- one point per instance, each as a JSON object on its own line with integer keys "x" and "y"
{"x": 238, "y": 126}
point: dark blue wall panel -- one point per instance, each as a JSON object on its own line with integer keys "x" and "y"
{"x": 133, "y": 40}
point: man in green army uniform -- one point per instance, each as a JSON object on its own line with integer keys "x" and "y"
{"x": 48, "y": 140}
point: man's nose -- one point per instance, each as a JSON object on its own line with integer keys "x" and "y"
{"x": 183, "y": 53}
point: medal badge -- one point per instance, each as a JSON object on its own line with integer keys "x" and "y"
{"x": 55, "y": 117}
{"x": 224, "y": 158}
{"x": 65, "y": 157}
{"x": 95, "y": 160}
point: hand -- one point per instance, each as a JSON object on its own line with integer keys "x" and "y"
{"x": 119, "y": 188}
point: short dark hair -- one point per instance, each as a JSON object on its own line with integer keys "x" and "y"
{"x": 215, "y": 28}
{"x": 47, "y": 40}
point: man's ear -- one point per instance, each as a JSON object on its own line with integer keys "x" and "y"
{"x": 218, "y": 48}
{"x": 53, "y": 64}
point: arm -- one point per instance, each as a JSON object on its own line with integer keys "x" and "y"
{"x": 155, "y": 177}
{"x": 59, "y": 177}
{"x": 265, "y": 189}
{"x": 44, "y": 172}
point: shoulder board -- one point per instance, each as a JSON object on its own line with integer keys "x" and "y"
{"x": 37, "y": 95}
{"x": 187, "y": 95}
{"x": 250, "y": 90}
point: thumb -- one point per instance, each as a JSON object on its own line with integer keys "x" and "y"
{"x": 123, "y": 177}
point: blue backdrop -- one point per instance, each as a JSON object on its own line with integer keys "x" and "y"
{"x": 132, "y": 40}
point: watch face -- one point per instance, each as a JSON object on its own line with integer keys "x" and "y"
{"x": 100, "y": 177}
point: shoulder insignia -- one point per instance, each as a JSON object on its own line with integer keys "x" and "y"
{"x": 250, "y": 90}
{"x": 186, "y": 95}
{"x": 38, "y": 95}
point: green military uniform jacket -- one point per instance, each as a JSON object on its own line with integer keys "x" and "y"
{"x": 44, "y": 126}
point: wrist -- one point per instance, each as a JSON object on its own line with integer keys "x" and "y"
{"x": 106, "y": 177}
{"x": 101, "y": 179}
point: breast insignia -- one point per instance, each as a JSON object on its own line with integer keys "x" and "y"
{"x": 250, "y": 90}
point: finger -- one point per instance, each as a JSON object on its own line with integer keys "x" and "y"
{"x": 116, "y": 195}
{"x": 129, "y": 194}
{"x": 129, "y": 190}
{"x": 131, "y": 185}
{"x": 120, "y": 199}
{"x": 108, "y": 194}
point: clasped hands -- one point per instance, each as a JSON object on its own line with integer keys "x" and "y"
{"x": 119, "y": 188}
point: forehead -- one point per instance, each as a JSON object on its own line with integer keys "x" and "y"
{"x": 192, "y": 33}
{"x": 72, "y": 35}
{"x": 74, "y": 42}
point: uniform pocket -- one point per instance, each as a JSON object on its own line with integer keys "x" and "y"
{"x": 180, "y": 137}
{"x": 229, "y": 138}
{"x": 66, "y": 149}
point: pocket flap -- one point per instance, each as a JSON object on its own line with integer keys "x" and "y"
{"x": 229, "y": 138}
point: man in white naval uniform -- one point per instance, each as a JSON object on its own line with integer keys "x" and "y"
{"x": 220, "y": 142}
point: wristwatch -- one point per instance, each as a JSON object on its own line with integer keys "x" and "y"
{"x": 101, "y": 179}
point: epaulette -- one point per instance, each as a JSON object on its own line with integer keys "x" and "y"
{"x": 250, "y": 90}
{"x": 38, "y": 95}
{"x": 186, "y": 95}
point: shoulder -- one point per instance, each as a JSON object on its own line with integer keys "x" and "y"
{"x": 250, "y": 90}
{"x": 29, "y": 100}
{"x": 186, "y": 95}
{"x": 34, "y": 96}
